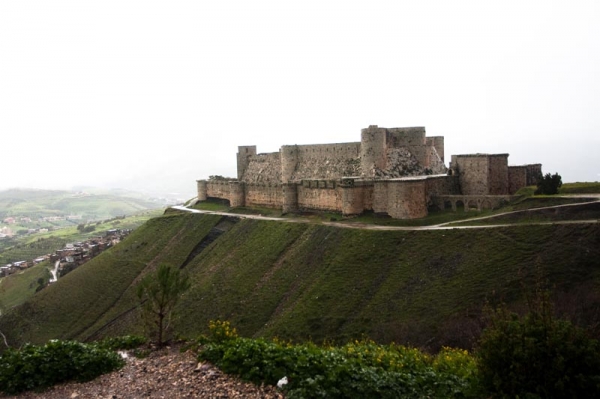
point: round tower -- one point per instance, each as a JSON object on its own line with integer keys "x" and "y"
{"x": 290, "y": 197}
{"x": 372, "y": 150}
{"x": 202, "y": 190}
{"x": 236, "y": 194}
{"x": 289, "y": 161}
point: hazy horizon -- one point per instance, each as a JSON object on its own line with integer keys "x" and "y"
{"x": 154, "y": 95}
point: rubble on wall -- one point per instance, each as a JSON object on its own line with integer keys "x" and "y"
{"x": 401, "y": 163}
{"x": 326, "y": 168}
{"x": 263, "y": 168}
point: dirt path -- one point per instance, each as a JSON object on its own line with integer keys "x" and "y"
{"x": 441, "y": 226}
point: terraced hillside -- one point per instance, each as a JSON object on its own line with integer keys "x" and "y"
{"x": 301, "y": 281}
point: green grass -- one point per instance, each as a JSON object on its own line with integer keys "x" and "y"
{"x": 17, "y": 288}
{"x": 309, "y": 281}
{"x": 580, "y": 188}
{"x": 588, "y": 211}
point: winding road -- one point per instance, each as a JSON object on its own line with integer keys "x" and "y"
{"x": 442, "y": 226}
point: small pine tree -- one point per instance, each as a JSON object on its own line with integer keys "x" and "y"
{"x": 159, "y": 292}
{"x": 549, "y": 184}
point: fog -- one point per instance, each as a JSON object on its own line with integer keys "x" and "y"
{"x": 153, "y": 95}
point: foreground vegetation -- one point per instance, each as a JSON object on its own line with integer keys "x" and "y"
{"x": 534, "y": 356}
{"x": 35, "y": 367}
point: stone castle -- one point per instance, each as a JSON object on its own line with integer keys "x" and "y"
{"x": 395, "y": 171}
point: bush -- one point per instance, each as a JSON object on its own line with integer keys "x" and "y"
{"x": 538, "y": 356}
{"x": 38, "y": 367}
{"x": 359, "y": 369}
{"x": 121, "y": 343}
{"x": 549, "y": 184}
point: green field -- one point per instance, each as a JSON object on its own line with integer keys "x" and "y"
{"x": 37, "y": 204}
{"x": 308, "y": 281}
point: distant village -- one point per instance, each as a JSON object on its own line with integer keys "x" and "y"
{"x": 71, "y": 256}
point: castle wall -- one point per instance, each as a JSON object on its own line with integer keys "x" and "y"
{"x": 265, "y": 195}
{"x": 319, "y": 194}
{"x": 373, "y": 144}
{"x": 406, "y": 136}
{"x": 243, "y": 155}
{"x": 406, "y": 199}
{"x": 472, "y": 172}
{"x": 357, "y": 196}
{"x": 517, "y": 178}
{"x": 263, "y": 168}
{"x": 237, "y": 193}
{"x": 202, "y": 190}
{"x": 442, "y": 185}
{"x": 327, "y": 161}
{"x": 288, "y": 161}
{"x": 217, "y": 189}
{"x": 290, "y": 197}
{"x": 438, "y": 144}
{"x": 498, "y": 174}
{"x": 534, "y": 171}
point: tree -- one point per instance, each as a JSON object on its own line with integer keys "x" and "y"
{"x": 538, "y": 355}
{"x": 159, "y": 292}
{"x": 549, "y": 184}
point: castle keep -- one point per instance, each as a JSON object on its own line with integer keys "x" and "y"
{"x": 395, "y": 171}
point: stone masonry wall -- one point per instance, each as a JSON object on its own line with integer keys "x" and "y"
{"x": 533, "y": 172}
{"x": 263, "y": 168}
{"x": 472, "y": 172}
{"x": 217, "y": 189}
{"x": 406, "y": 199}
{"x": 327, "y": 161}
{"x": 267, "y": 195}
{"x": 357, "y": 196}
{"x": 498, "y": 174}
{"x": 321, "y": 195}
{"x": 517, "y": 178}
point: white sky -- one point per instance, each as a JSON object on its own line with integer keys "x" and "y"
{"x": 107, "y": 92}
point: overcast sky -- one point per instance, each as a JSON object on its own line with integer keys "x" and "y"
{"x": 111, "y": 92}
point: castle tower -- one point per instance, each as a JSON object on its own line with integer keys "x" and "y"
{"x": 202, "y": 190}
{"x": 481, "y": 174}
{"x": 438, "y": 143}
{"x": 289, "y": 161}
{"x": 352, "y": 198}
{"x": 243, "y": 159}
{"x": 372, "y": 150}
{"x": 290, "y": 197}
{"x": 237, "y": 194}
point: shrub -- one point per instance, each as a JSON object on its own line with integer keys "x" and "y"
{"x": 37, "y": 367}
{"x": 359, "y": 369}
{"x": 121, "y": 343}
{"x": 538, "y": 356}
{"x": 549, "y": 184}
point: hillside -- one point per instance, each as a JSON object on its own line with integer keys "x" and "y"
{"x": 86, "y": 206}
{"x": 303, "y": 281}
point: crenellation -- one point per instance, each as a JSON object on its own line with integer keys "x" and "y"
{"x": 394, "y": 171}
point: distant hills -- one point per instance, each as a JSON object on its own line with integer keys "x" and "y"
{"x": 84, "y": 205}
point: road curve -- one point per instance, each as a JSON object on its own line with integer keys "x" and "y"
{"x": 443, "y": 226}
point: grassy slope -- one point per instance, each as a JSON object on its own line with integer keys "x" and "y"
{"x": 92, "y": 292}
{"x": 18, "y": 287}
{"x": 305, "y": 280}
